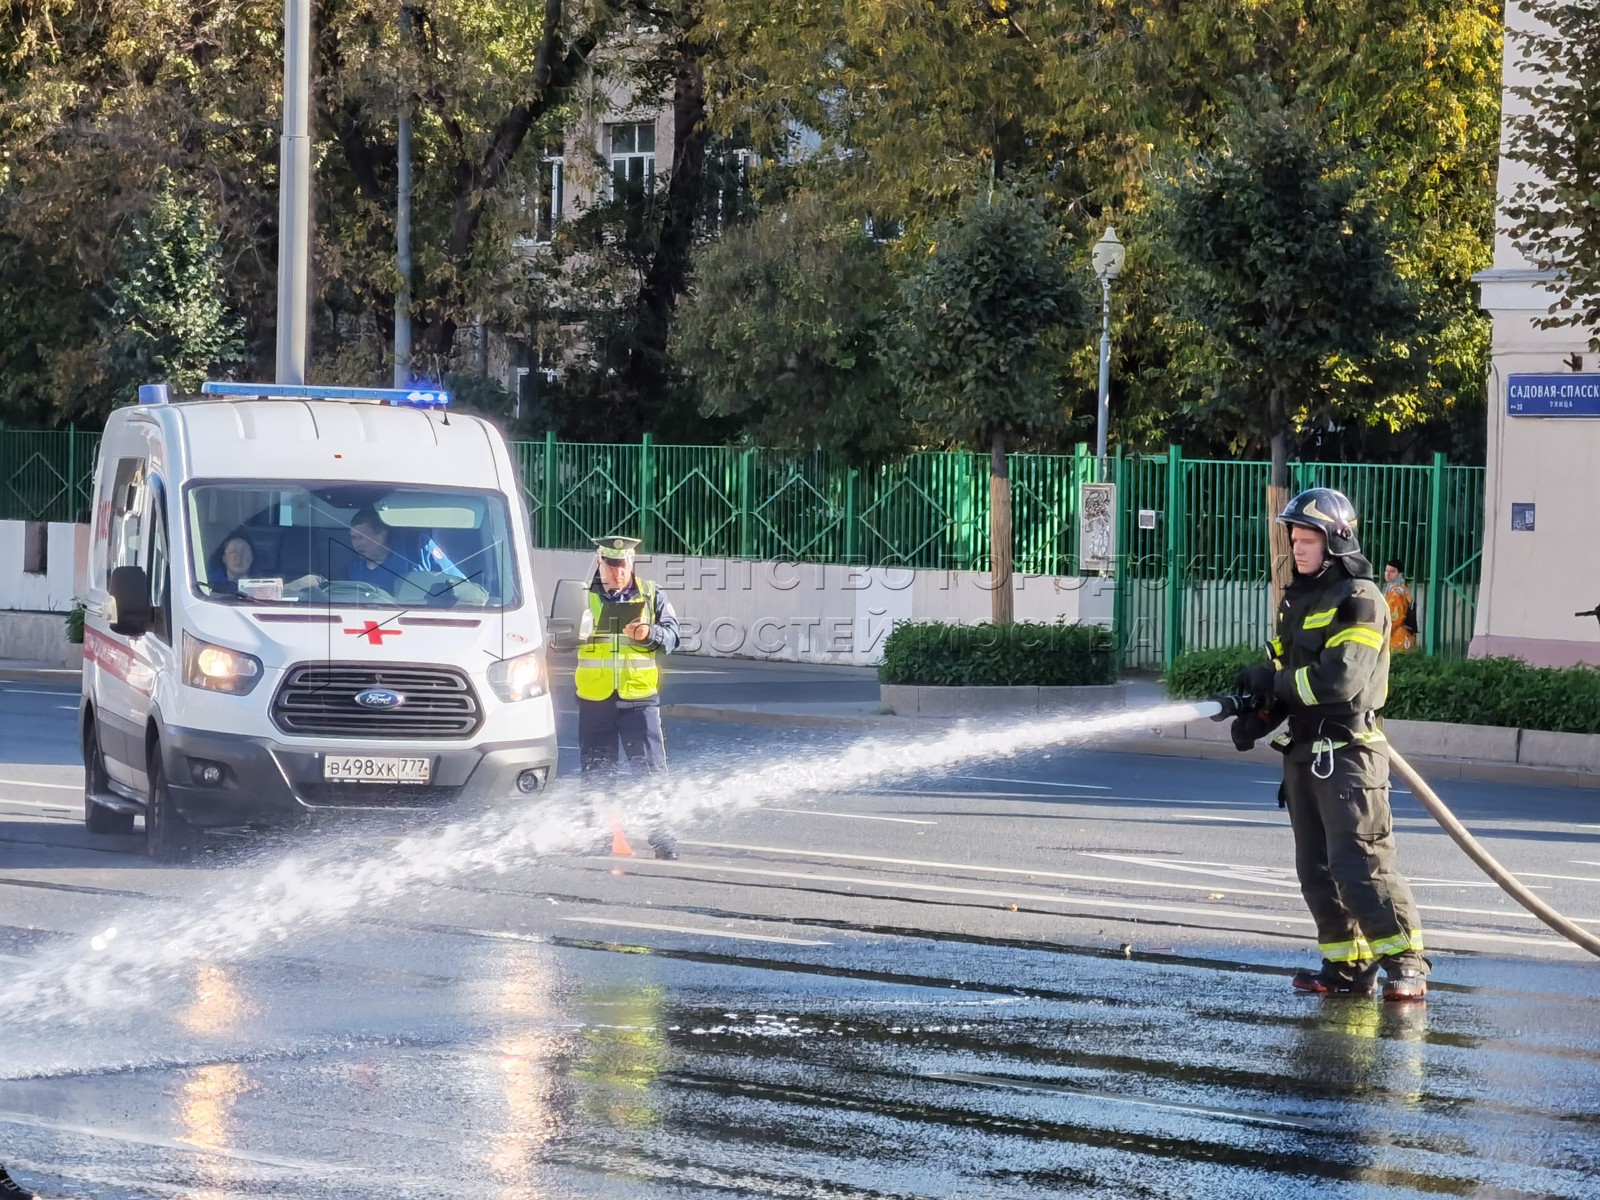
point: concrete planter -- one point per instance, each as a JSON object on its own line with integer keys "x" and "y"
{"x": 915, "y": 700}
{"x": 72, "y": 656}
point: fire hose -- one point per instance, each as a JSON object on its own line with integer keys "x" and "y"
{"x": 1220, "y": 708}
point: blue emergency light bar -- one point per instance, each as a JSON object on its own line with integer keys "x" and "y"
{"x": 404, "y": 397}
{"x": 152, "y": 393}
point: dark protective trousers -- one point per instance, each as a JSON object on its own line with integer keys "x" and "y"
{"x": 602, "y": 724}
{"x": 1345, "y": 858}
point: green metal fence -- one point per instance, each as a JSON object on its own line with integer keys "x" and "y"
{"x": 1198, "y": 575}
{"x": 1191, "y": 538}
{"x": 46, "y": 476}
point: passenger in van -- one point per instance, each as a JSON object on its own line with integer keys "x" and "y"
{"x": 230, "y": 564}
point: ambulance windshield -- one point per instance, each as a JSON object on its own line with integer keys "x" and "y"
{"x": 351, "y": 544}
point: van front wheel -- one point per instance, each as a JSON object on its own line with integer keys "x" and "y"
{"x": 96, "y": 817}
{"x": 168, "y": 837}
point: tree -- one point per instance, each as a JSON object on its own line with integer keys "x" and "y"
{"x": 167, "y": 318}
{"x": 1292, "y": 276}
{"x": 1555, "y": 218}
{"x": 909, "y": 103}
{"x": 981, "y": 347}
{"x": 783, "y": 331}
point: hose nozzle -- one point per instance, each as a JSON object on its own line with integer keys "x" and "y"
{"x": 1230, "y": 706}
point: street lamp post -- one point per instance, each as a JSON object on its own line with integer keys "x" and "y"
{"x": 1109, "y": 255}
{"x": 294, "y": 193}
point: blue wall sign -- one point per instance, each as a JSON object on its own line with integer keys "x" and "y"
{"x": 1570, "y": 395}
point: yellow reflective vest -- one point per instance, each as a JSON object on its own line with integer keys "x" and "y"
{"x": 615, "y": 664}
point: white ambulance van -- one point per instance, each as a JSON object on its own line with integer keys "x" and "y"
{"x": 305, "y": 599}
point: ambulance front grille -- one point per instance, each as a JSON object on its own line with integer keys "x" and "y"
{"x": 319, "y": 700}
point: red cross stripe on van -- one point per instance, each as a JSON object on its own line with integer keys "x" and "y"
{"x": 374, "y": 633}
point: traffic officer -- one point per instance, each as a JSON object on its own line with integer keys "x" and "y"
{"x": 618, "y": 676}
{"x": 1329, "y": 674}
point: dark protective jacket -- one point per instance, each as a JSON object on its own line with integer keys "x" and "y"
{"x": 1330, "y": 653}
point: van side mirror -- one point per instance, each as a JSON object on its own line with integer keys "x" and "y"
{"x": 567, "y": 607}
{"x": 129, "y": 610}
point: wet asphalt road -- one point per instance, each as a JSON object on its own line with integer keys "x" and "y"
{"x": 1059, "y": 974}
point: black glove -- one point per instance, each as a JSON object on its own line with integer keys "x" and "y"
{"x": 1248, "y": 729}
{"x": 1256, "y": 681}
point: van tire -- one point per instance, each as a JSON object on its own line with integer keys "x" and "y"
{"x": 168, "y": 837}
{"x": 96, "y": 817}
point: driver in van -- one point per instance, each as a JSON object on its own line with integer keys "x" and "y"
{"x": 377, "y": 563}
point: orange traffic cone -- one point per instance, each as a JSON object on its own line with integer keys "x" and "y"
{"x": 619, "y": 842}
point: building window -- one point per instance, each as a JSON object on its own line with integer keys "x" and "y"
{"x": 884, "y": 229}
{"x": 632, "y": 149}
{"x": 550, "y": 198}
{"x": 727, "y": 189}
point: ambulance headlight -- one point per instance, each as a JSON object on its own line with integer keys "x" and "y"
{"x": 519, "y": 678}
{"x": 218, "y": 669}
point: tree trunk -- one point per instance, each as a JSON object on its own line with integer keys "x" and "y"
{"x": 1002, "y": 607}
{"x": 1278, "y": 535}
{"x": 667, "y": 277}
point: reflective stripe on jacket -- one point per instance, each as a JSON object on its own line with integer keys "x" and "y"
{"x": 615, "y": 664}
{"x": 1331, "y": 654}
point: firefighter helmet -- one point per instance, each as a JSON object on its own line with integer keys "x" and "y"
{"x": 1330, "y": 513}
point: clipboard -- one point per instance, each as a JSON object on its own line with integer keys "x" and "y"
{"x": 616, "y": 617}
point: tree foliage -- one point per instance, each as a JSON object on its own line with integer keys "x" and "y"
{"x": 979, "y": 347}
{"x": 785, "y": 329}
{"x": 1555, "y": 218}
{"x": 1291, "y": 273}
{"x": 168, "y": 318}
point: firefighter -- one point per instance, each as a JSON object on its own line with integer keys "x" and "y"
{"x": 618, "y": 676}
{"x": 1328, "y": 675}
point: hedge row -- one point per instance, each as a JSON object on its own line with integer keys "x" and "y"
{"x": 934, "y": 654}
{"x": 1476, "y": 691}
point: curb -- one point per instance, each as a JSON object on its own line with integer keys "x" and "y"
{"x": 58, "y": 675}
{"x": 1461, "y": 769}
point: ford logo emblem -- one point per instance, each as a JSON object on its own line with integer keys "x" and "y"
{"x": 379, "y": 698}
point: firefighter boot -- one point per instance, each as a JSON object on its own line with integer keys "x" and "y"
{"x": 1337, "y": 979}
{"x": 11, "y": 1190}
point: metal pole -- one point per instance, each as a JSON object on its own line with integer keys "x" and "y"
{"x": 402, "y": 228}
{"x": 294, "y": 193}
{"x": 1105, "y": 378}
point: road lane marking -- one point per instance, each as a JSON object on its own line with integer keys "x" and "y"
{"x": 148, "y": 1139}
{"x": 925, "y": 793}
{"x": 1277, "y": 876}
{"x": 1090, "y": 787}
{"x": 66, "y": 787}
{"x": 817, "y": 812}
{"x": 948, "y": 866}
{"x": 1398, "y": 791}
{"x": 721, "y": 933}
{"x": 11, "y": 691}
{"x": 1253, "y": 873}
{"x": 854, "y": 881}
{"x": 1219, "y": 817}
{"x": 37, "y": 804}
{"x": 1572, "y": 878}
